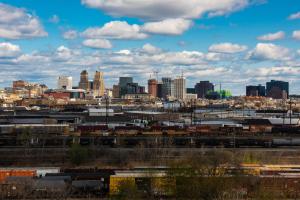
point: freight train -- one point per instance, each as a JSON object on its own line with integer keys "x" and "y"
{"x": 151, "y": 141}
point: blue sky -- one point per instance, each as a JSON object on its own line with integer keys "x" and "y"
{"x": 236, "y": 42}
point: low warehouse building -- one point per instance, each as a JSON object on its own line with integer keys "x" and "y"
{"x": 151, "y": 116}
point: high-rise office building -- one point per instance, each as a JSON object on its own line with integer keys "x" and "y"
{"x": 84, "y": 81}
{"x": 152, "y": 87}
{"x": 202, "y": 88}
{"x": 91, "y": 85}
{"x": 180, "y": 88}
{"x": 123, "y": 82}
{"x": 190, "y": 91}
{"x": 166, "y": 87}
{"x": 277, "y": 89}
{"x": 98, "y": 85}
{"x": 116, "y": 91}
{"x": 65, "y": 82}
{"x": 160, "y": 90}
{"x": 255, "y": 90}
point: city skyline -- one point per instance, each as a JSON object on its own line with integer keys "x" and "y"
{"x": 235, "y": 42}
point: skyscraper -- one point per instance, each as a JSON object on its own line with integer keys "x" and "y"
{"x": 202, "y": 88}
{"x": 65, "y": 82}
{"x": 152, "y": 87}
{"x": 98, "y": 86}
{"x": 255, "y": 90}
{"x": 166, "y": 87}
{"x": 116, "y": 91}
{"x": 180, "y": 88}
{"x": 278, "y": 89}
{"x": 159, "y": 89}
{"x": 84, "y": 80}
{"x": 123, "y": 82}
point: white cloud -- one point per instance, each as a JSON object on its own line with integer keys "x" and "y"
{"x": 158, "y": 9}
{"x": 269, "y": 51}
{"x": 272, "y": 36}
{"x": 70, "y": 34}
{"x": 54, "y": 19}
{"x": 124, "y": 52}
{"x": 31, "y": 59}
{"x": 212, "y": 56}
{"x": 150, "y": 55}
{"x": 64, "y": 53}
{"x": 168, "y": 26}
{"x": 97, "y": 43}
{"x": 9, "y": 50}
{"x": 296, "y": 35}
{"x": 294, "y": 16}
{"x": 149, "y": 48}
{"x": 116, "y": 30}
{"x": 298, "y": 52}
{"x": 16, "y": 23}
{"x": 273, "y": 71}
{"x": 227, "y": 48}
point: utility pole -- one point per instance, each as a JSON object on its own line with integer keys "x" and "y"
{"x": 192, "y": 110}
{"x": 290, "y": 108}
{"x": 106, "y": 108}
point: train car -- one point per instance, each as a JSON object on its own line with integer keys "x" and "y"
{"x": 109, "y": 141}
{"x": 5, "y": 173}
{"x": 87, "y": 129}
{"x": 286, "y": 141}
{"x": 155, "y": 183}
{"x": 87, "y": 188}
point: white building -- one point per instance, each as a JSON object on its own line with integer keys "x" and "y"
{"x": 180, "y": 88}
{"x": 65, "y": 82}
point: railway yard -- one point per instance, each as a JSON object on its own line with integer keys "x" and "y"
{"x": 71, "y": 155}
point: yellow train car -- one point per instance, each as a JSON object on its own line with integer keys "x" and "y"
{"x": 145, "y": 182}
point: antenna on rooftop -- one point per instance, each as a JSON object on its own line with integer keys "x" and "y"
{"x": 155, "y": 72}
{"x": 182, "y": 73}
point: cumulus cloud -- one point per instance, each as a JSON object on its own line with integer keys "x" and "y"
{"x": 158, "y": 9}
{"x": 70, "y": 35}
{"x": 97, "y": 43}
{"x": 269, "y": 51}
{"x": 16, "y": 23}
{"x": 168, "y": 26}
{"x": 33, "y": 59}
{"x": 272, "y": 36}
{"x": 227, "y": 48}
{"x": 63, "y": 53}
{"x": 116, "y": 30}
{"x": 275, "y": 71}
{"x": 296, "y": 35}
{"x": 124, "y": 52}
{"x": 9, "y": 50}
{"x": 149, "y": 48}
{"x": 294, "y": 16}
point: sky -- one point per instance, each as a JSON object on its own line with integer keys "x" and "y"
{"x": 232, "y": 42}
